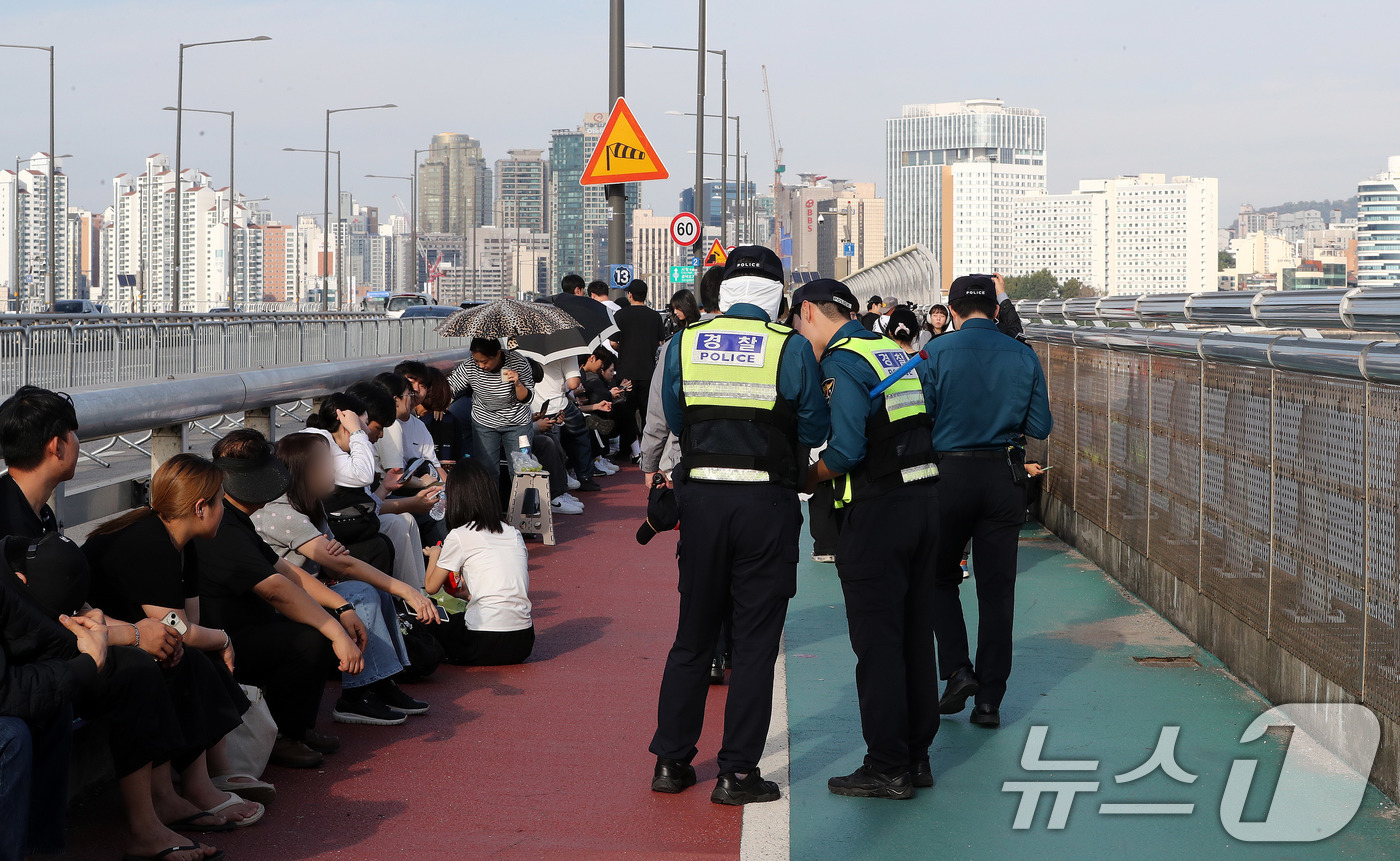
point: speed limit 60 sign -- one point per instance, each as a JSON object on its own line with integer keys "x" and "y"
{"x": 685, "y": 229}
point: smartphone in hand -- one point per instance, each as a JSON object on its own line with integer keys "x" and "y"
{"x": 173, "y": 620}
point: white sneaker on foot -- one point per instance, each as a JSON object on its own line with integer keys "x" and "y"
{"x": 563, "y": 506}
{"x": 573, "y": 482}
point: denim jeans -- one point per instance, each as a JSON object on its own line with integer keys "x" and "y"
{"x": 461, "y": 409}
{"x": 16, "y": 765}
{"x": 385, "y": 653}
{"x": 34, "y": 784}
{"x": 576, "y": 441}
{"x": 494, "y": 443}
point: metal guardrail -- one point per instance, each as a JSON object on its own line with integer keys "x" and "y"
{"x": 62, "y": 351}
{"x": 1263, "y": 471}
{"x": 910, "y": 275}
{"x": 1371, "y": 309}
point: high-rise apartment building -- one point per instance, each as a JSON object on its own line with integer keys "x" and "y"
{"x": 1378, "y": 228}
{"x": 578, "y": 214}
{"x": 454, "y": 186}
{"x": 953, "y": 172}
{"x": 24, "y": 236}
{"x": 522, "y": 191}
{"x": 1129, "y": 235}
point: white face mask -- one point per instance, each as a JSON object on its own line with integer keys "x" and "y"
{"x": 754, "y": 290}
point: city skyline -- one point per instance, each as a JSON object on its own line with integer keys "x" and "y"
{"x": 1117, "y": 103}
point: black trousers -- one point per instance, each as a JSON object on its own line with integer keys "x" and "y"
{"x": 738, "y": 549}
{"x": 885, "y": 559}
{"x": 496, "y": 648}
{"x": 143, "y": 727}
{"x": 823, "y": 521}
{"x": 979, "y": 501}
{"x": 290, "y": 662}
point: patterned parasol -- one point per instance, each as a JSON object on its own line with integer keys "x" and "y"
{"x": 507, "y": 318}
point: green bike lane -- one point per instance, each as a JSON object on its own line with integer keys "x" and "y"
{"x": 1077, "y": 636}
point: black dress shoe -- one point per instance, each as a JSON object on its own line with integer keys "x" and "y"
{"x": 729, "y": 789}
{"x": 717, "y": 671}
{"x": 961, "y": 685}
{"x": 985, "y": 715}
{"x": 321, "y": 743}
{"x": 923, "y": 774}
{"x": 866, "y": 782}
{"x": 588, "y": 485}
{"x": 672, "y": 776}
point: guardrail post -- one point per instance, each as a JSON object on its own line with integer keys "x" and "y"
{"x": 263, "y": 420}
{"x": 166, "y": 442}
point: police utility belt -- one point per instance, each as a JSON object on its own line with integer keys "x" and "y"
{"x": 737, "y": 428}
{"x": 1014, "y": 455}
{"x": 899, "y": 447}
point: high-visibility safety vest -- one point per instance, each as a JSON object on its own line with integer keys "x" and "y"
{"x": 737, "y": 427}
{"x": 898, "y": 437}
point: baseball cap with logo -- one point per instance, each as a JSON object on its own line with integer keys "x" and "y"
{"x": 753, "y": 260}
{"x": 830, "y": 290}
{"x": 972, "y": 286}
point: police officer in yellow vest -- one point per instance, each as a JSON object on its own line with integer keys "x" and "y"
{"x": 744, "y": 396}
{"x": 880, "y": 458}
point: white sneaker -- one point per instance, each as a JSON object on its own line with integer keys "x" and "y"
{"x": 563, "y": 506}
{"x": 604, "y": 466}
{"x": 571, "y": 498}
{"x": 573, "y": 483}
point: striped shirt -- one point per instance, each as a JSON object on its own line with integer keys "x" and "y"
{"x": 494, "y": 404}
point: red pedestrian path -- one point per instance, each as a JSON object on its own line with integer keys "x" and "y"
{"x": 540, "y": 761}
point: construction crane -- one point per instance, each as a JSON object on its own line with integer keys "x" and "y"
{"x": 778, "y": 168}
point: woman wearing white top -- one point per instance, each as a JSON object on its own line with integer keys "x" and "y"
{"x": 484, "y": 562}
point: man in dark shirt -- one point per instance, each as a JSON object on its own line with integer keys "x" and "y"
{"x": 283, "y": 621}
{"x": 641, "y": 331}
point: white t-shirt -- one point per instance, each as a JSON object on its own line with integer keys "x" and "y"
{"x": 496, "y": 568}
{"x": 554, "y": 384}
{"x": 404, "y": 441}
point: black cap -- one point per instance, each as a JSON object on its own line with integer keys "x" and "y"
{"x": 829, "y": 290}
{"x": 256, "y": 481}
{"x": 753, "y": 260}
{"x": 663, "y": 514}
{"x": 55, "y": 570}
{"x": 974, "y": 286}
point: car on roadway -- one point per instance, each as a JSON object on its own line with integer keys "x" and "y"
{"x": 399, "y": 302}
{"x": 75, "y": 306}
{"x": 428, "y": 311}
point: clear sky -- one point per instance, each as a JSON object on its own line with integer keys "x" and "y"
{"x": 1280, "y": 100}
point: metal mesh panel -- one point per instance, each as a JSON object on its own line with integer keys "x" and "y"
{"x": 95, "y": 354}
{"x": 174, "y": 349}
{"x": 1236, "y": 489}
{"x": 210, "y": 340}
{"x": 1129, "y": 384}
{"x": 137, "y": 352}
{"x": 1319, "y": 522}
{"x": 1091, "y": 436}
{"x": 1059, "y": 448}
{"x": 1175, "y": 465}
{"x": 50, "y": 352}
{"x": 288, "y": 349}
{"x": 1383, "y": 551}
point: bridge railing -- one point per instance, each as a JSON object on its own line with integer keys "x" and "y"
{"x": 1248, "y": 487}
{"x": 64, "y": 351}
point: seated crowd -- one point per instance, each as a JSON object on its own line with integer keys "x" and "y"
{"x": 371, "y": 544}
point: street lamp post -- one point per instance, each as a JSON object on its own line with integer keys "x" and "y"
{"x": 738, "y": 144}
{"x": 340, "y": 286}
{"x": 413, "y": 224}
{"x": 228, "y": 248}
{"x": 326, "y": 223}
{"x": 179, "y": 165}
{"x": 48, "y": 279}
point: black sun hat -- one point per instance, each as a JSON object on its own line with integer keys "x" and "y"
{"x": 663, "y": 514}
{"x": 254, "y": 480}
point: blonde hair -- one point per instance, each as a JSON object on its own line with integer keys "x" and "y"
{"x": 180, "y": 482}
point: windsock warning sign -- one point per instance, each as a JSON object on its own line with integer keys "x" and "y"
{"x": 623, "y": 153}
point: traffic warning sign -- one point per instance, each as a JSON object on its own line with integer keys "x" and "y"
{"x": 717, "y": 256}
{"x": 623, "y": 153}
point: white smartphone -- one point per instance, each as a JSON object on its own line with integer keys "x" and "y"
{"x": 173, "y": 620}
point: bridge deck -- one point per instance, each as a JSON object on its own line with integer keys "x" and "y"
{"x": 548, "y": 760}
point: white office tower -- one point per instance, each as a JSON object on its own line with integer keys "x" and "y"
{"x": 1129, "y": 235}
{"x": 953, "y": 172}
{"x": 1378, "y": 228}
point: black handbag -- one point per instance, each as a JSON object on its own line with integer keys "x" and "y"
{"x": 351, "y": 515}
{"x": 425, "y": 653}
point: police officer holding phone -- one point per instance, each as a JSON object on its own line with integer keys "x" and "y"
{"x": 987, "y": 395}
{"x": 880, "y": 461}
{"x": 744, "y": 396}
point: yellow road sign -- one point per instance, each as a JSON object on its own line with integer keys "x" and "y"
{"x": 717, "y": 256}
{"x": 623, "y": 153}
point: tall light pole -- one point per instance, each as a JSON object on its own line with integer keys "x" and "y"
{"x": 48, "y": 280}
{"x": 723, "y": 175}
{"x": 340, "y": 286}
{"x": 413, "y": 225}
{"x": 228, "y": 247}
{"x": 326, "y": 223}
{"x": 179, "y": 165}
{"x": 617, "y": 81}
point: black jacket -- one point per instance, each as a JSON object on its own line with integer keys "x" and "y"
{"x": 40, "y": 666}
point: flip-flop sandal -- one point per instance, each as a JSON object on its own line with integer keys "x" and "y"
{"x": 233, "y": 799}
{"x": 250, "y": 787}
{"x": 188, "y": 824}
{"x": 166, "y": 853}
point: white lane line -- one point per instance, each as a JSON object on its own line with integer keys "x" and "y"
{"x": 766, "y": 834}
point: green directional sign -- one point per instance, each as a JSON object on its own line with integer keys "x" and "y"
{"x": 682, "y": 275}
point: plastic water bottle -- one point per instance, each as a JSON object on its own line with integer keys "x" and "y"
{"x": 439, "y": 509}
{"x": 525, "y": 445}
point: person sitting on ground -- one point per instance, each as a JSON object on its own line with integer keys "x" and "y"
{"x": 903, "y": 329}
{"x": 434, "y": 397}
{"x": 294, "y": 525}
{"x": 143, "y": 568}
{"x": 404, "y": 443}
{"x": 290, "y": 629}
{"x": 420, "y": 376}
{"x": 598, "y": 399}
{"x": 551, "y": 456}
{"x": 484, "y": 562}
